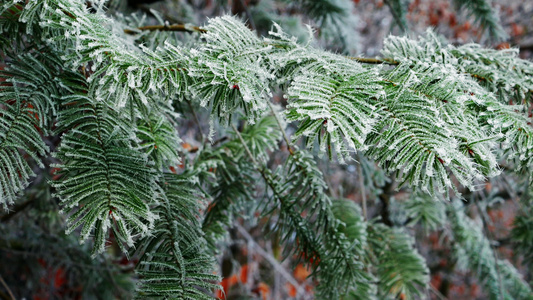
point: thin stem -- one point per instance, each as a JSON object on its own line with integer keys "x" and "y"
{"x": 273, "y": 261}
{"x": 285, "y": 137}
{"x": 374, "y": 61}
{"x": 245, "y": 147}
{"x": 186, "y": 28}
{"x": 173, "y": 27}
{"x": 437, "y": 293}
{"x": 362, "y": 188}
{"x": 7, "y": 288}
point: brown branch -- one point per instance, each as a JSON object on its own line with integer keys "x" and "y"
{"x": 374, "y": 61}
{"x": 174, "y": 27}
{"x": 480, "y": 78}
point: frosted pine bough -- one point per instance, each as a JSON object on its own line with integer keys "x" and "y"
{"x": 434, "y": 114}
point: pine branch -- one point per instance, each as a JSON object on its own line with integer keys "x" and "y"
{"x": 105, "y": 184}
{"x": 424, "y": 210}
{"x": 301, "y": 191}
{"x": 398, "y": 10}
{"x": 401, "y": 270}
{"x": 467, "y": 236}
{"x": 234, "y": 179}
{"x": 175, "y": 260}
{"x": 434, "y": 116}
{"x": 485, "y": 16}
{"x": 26, "y": 105}
{"x": 158, "y": 138}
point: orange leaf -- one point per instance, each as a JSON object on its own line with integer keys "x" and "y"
{"x": 301, "y": 272}
{"x": 264, "y": 290}
{"x": 186, "y": 146}
{"x": 291, "y": 290}
{"x": 233, "y": 280}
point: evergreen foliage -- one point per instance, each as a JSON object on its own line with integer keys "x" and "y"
{"x": 99, "y": 101}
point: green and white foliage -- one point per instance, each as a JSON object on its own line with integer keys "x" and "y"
{"x": 400, "y": 269}
{"x": 260, "y": 138}
{"x": 474, "y": 252}
{"x": 234, "y": 175}
{"x": 26, "y": 99}
{"x": 514, "y": 131}
{"x": 422, "y": 209}
{"x": 479, "y": 109}
{"x": 106, "y": 184}
{"x": 175, "y": 261}
{"x": 329, "y": 97}
{"x": 499, "y": 71}
{"x": 230, "y": 194}
{"x": 98, "y": 43}
{"x": 335, "y": 21}
{"x": 231, "y": 70}
{"x": 435, "y": 114}
{"x": 485, "y": 15}
{"x": 353, "y": 226}
{"x": 398, "y": 10}
{"x": 158, "y": 138}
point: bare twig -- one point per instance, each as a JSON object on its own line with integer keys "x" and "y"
{"x": 374, "y": 61}
{"x": 273, "y": 261}
{"x": 173, "y": 27}
{"x": 7, "y": 288}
